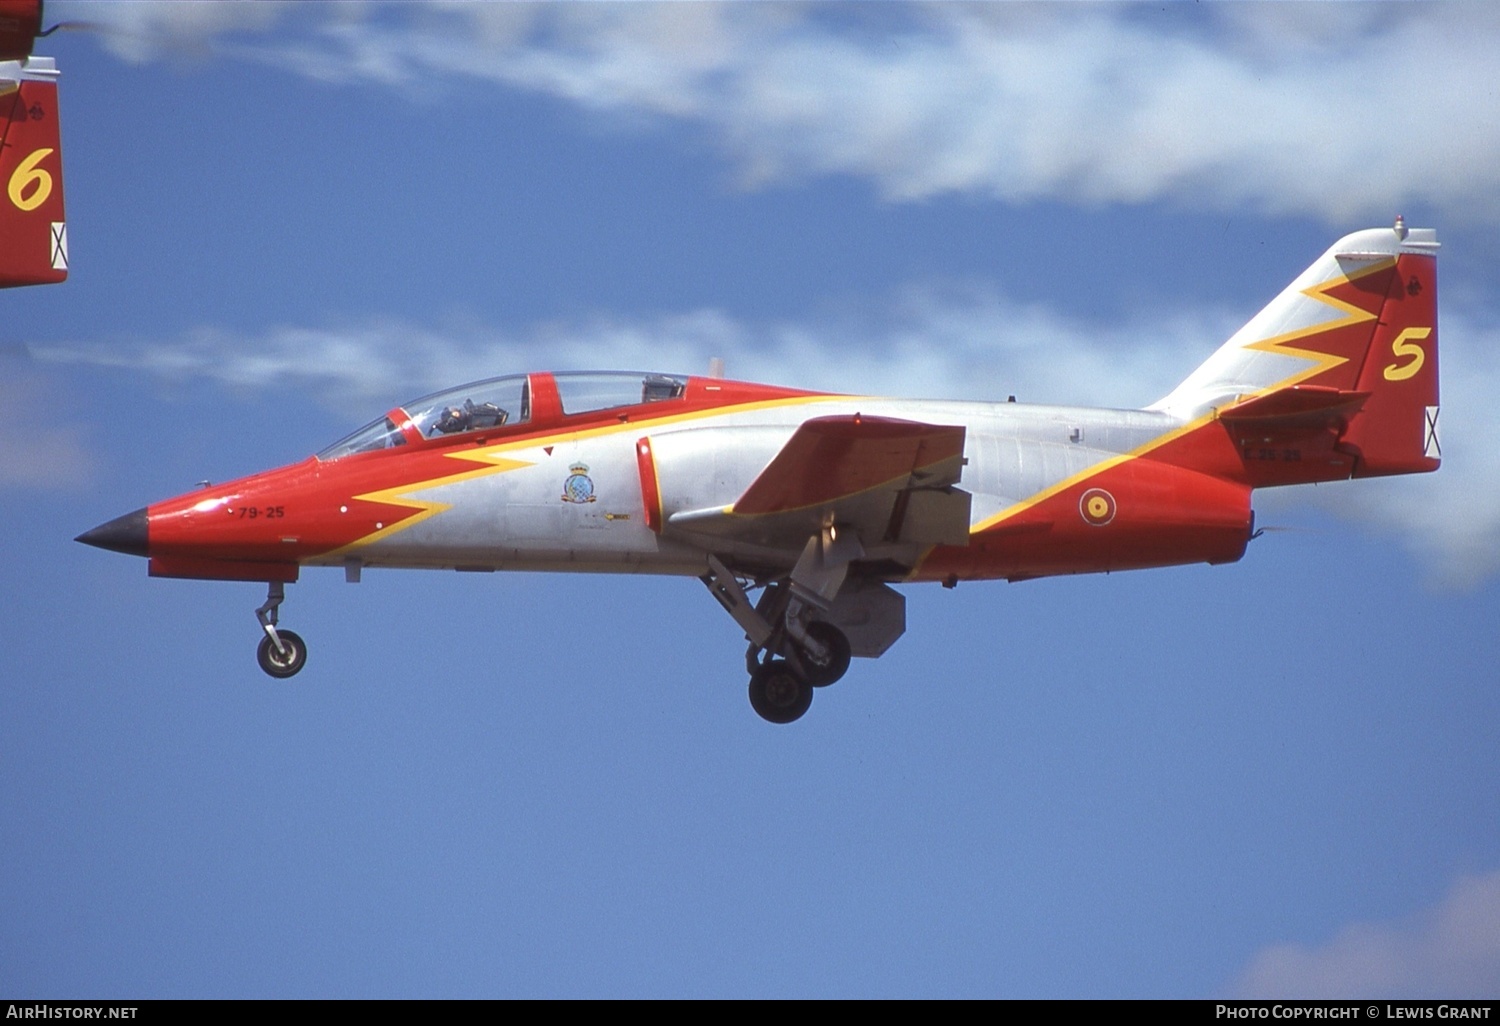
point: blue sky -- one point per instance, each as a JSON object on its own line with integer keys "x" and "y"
{"x": 1270, "y": 778}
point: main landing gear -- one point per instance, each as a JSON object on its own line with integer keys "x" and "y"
{"x": 281, "y": 653}
{"x": 796, "y": 657}
{"x": 791, "y": 650}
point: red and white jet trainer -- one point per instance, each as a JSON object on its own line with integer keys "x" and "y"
{"x": 820, "y": 502}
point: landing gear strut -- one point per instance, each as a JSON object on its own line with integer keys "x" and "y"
{"x": 281, "y": 653}
{"x": 829, "y": 666}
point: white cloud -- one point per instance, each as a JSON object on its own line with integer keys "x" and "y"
{"x": 953, "y": 343}
{"x": 141, "y": 32}
{"x": 1343, "y": 112}
{"x": 1451, "y": 951}
{"x": 942, "y": 343}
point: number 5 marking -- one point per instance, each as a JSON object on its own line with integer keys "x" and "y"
{"x": 26, "y": 174}
{"x": 1401, "y": 347}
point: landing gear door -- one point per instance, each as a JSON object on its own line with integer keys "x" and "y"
{"x": 871, "y": 615}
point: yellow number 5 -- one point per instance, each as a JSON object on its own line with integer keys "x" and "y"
{"x": 1401, "y": 347}
{"x": 28, "y": 174}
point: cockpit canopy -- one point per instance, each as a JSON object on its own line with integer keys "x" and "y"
{"x": 498, "y": 403}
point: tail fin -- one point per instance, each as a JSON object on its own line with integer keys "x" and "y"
{"x": 33, "y": 228}
{"x": 1343, "y": 363}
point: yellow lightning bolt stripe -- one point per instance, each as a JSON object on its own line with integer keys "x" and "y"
{"x": 1279, "y": 344}
{"x": 401, "y": 494}
{"x": 498, "y": 463}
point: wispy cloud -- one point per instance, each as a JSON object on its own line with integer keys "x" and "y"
{"x": 961, "y": 342}
{"x": 152, "y": 30}
{"x": 1342, "y": 112}
{"x": 1451, "y": 951}
{"x": 927, "y": 341}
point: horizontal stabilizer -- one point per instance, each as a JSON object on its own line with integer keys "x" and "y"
{"x": 1300, "y": 404}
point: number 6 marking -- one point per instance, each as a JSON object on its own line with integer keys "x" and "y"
{"x": 27, "y": 174}
{"x": 1401, "y": 347}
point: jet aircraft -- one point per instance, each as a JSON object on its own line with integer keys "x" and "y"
{"x": 33, "y": 230}
{"x": 800, "y": 509}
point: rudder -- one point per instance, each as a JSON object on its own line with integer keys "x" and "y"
{"x": 1395, "y": 432}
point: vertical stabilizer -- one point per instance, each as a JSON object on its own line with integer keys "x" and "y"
{"x": 1338, "y": 375}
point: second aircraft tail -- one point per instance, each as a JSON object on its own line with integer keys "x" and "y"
{"x": 32, "y": 223}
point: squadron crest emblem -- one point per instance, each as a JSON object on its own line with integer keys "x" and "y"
{"x": 578, "y": 487}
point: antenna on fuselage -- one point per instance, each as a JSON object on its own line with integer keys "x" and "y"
{"x": 716, "y": 366}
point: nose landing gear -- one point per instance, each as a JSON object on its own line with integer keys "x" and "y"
{"x": 281, "y": 653}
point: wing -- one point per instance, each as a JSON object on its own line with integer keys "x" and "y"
{"x": 890, "y": 481}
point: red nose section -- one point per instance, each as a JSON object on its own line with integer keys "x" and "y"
{"x": 261, "y": 527}
{"x": 125, "y": 534}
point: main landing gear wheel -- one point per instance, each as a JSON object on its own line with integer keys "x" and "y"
{"x": 778, "y": 694}
{"x": 287, "y": 660}
{"x": 821, "y": 673}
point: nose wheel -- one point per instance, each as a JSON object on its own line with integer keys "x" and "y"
{"x": 280, "y": 653}
{"x": 286, "y": 660}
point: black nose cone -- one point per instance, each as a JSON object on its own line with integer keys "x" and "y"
{"x": 125, "y": 534}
